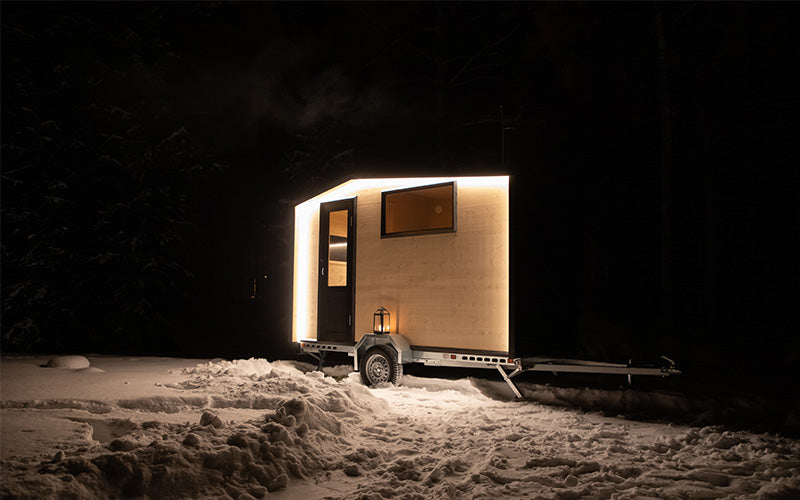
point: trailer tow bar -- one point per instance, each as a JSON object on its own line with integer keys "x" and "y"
{"x": 508, "y": 380}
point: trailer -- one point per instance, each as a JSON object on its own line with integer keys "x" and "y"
{"x": 404, "y": 270}
{"x": 380, "y": 358}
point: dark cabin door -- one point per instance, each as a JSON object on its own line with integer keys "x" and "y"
{"x": 336, "y": 289}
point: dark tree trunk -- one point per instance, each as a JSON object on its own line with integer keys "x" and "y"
{"x": 665, "y": 168}
{"x": 442, "y": 84}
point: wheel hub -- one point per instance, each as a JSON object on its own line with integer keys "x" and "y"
{"x": 378, "y": 369}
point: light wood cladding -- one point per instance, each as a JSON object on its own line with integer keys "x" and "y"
{"x": 442, "y": 290}
{"x": 446, "y": 290}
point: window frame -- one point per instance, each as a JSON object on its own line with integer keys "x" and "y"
{"x": 418, "y": 232}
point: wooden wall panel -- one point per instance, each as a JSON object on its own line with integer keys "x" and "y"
{"x": 446, "y": 290}
{"x": 442, "y": 290}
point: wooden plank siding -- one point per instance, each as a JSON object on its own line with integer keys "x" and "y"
{"x": 448, "y": 290}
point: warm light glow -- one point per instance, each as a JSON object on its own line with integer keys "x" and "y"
{"x": 304, "y": 303}
{"x": 380, "y": 320}
{"x": 499, "y": 181}
{"x": 300, "y": 302}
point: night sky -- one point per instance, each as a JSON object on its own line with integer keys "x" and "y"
{"x": 152, "y": 154}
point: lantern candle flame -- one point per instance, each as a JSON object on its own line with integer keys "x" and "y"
{"x": 380, "y": 320}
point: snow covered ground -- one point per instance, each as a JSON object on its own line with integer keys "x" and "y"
{"x": 178, "y": 428}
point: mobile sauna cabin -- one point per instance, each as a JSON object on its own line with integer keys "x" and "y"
{"x": 403, "y": 270}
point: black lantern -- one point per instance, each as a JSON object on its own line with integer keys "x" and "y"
{"x": 380, "y": 320}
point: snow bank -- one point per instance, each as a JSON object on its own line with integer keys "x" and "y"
{"x": 259, "y": 429}
{"x": 180, "y": 461}
{"x": 751, "y": 411}
{"x": 302, "y": 432}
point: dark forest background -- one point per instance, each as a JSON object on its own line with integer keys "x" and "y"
{"x": 152, "y": 154}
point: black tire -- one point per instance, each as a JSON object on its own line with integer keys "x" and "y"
{"x": 379, "y": 364}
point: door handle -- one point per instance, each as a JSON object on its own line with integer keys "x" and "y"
{"x": 323, "y": 271}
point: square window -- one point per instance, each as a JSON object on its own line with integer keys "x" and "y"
{"x": 418, "y": 210}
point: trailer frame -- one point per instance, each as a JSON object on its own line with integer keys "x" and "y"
{"x": 508, "y": 367}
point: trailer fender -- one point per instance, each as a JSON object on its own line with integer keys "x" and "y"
{"x": 396, "y": 341}
{"x": 379, "y": 365}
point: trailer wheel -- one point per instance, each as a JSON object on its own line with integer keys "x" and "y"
{"x": 379, "y": 364}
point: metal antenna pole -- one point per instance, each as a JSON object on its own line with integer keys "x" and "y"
{"x": 502, "y": 138}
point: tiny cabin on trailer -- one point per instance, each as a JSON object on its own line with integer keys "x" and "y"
{"x": 414, "y": 270}
{"x": 434, "y": 252}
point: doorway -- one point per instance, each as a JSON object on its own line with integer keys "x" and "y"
{"x": 336, "y": 290}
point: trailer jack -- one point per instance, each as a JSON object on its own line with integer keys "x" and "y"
{"x": 510, "y": 382}
{"x": 319, "y": 357}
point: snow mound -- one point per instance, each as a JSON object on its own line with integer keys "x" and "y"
{"x": 91, "y": 369}
{"x": 462, "y": 386}
{"x": 305, "y": 429}
{"x": 161, "y": 460}
{"x": 338, "y": 371}
{"x": 240, "y": 367}
{"x": 253, "y": 428}
{"x": 69, "y": 362}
